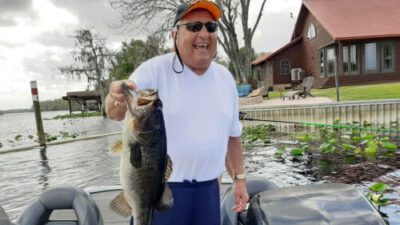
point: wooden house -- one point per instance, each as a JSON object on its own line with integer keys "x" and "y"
{"x": 357, "y": 40}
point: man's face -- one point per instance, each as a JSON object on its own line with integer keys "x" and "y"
{"x": 196, "y": 49}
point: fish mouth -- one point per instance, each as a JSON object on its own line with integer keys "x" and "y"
{"x": 129, "y": 98}
{"x": 147, "y": 96}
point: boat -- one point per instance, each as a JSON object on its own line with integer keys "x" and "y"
{"x": 327, "y": 204}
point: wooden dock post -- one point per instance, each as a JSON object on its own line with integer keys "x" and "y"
{"x": 38, "y": 114}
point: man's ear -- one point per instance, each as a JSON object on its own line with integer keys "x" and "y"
{"x": 174, "y": 34}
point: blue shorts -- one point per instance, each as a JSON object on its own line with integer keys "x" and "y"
{"x": 195, "y": 203}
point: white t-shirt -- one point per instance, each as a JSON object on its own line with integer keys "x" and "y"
{"x": 200, "y": 113}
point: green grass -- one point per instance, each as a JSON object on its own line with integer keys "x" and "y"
{"x": 353, "y": 93}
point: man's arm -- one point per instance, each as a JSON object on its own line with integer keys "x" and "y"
{"x": 234, "y": 165}
{"x": 115, "y": 102}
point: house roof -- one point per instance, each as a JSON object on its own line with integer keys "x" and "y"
{"x": 266, "y": 57}
{"x": 85, "y": 95}
{"x": 357, "y": 19}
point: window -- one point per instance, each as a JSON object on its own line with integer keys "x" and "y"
{"x": 327, "y": 62}
{"x": 350, "y": 59}
{"x": 311, "y": 32}
{"x": 346, "y": 60}
{"x": 258, "y": 73}
{"x": 285, "y": 67}
{"x": 387, "y": 59}
{"x": 322, "y": 63}
{"x": 370, "y": 57}
{"x": 354, "y": 62}
{"x": 331, "y": 61}
{"x": 379, "y": 57}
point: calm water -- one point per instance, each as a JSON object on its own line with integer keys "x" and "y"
{"x": 24, "y": 124}
{"x": 23, "y": 175}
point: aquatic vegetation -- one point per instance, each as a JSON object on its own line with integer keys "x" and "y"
{"x": 48, "y": 137}
{"x": 65, "y": 134}
{"x": 280, "y": 151}
{"x": 376, "y": 198}
{"x": 18, "y": 137}
{"x": 62, "y": 134}
{"x": 1, "y": 145}
{"x": 257, "y": 135}
{"x": 353, "y": 140}
{"x": 81, "y": 115}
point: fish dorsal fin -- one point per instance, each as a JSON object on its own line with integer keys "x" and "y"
{"x": 166, "y": 200}
{"x": 168, "y": 170}
{"x": 116, "y": 148}
{"x": 121, "y": 206}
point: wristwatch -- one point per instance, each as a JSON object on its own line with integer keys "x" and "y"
{"x": 239, "y": 176}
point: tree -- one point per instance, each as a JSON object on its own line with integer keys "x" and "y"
{"x": 91, "y": 57}
{"x": 133, "y": 54}
{"x": 242, "y": 58}
{"x": 143, "y": 13}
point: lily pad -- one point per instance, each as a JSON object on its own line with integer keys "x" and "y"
{"x": 379, "y": 187}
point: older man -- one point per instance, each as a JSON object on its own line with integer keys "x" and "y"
{"x": 200, "y": 107}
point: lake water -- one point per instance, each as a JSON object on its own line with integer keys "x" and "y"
{"x": 24, "y": 175}
{"x": 12, "y": 125}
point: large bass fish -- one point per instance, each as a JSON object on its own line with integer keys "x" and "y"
{"x": 145, "y": 165}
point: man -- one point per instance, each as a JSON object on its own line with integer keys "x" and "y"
{"x": 200, "y": 107}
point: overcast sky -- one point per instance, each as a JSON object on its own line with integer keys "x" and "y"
{"x": 35, "y": 39}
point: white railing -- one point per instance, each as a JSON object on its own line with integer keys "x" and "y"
{"x": 383, "y": 115}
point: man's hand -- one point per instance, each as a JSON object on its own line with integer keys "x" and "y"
{"x": 241, "y": 196}
{"x": 115, "y": 102}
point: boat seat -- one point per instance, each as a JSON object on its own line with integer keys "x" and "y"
{"x": 62, "y": 223}
{"x": 254, "y": 186}
{"x": 85, "y": 208}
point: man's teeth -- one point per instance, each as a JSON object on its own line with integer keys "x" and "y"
{"x": 201, "y": 45}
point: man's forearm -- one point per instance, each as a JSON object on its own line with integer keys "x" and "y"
{"x": 234, "y": 156}
{"x": 234, "y": 165}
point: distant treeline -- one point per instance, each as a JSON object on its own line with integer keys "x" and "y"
{"x": 49, "y": 105}
{"x": 57, "y": 104}
{"x": 14, "y": 111}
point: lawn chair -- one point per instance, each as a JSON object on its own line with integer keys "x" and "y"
{"x": 262, "y": 90}
{"x": 306, "y": 86}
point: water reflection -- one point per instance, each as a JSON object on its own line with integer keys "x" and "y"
{"x": 45, "y": 169}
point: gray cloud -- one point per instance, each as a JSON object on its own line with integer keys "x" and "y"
{"x": 44, "y": 69}
{"x": 55, "y": 38}
{"x": 7, "y": 22}
{"x": 45, "y": 65}
{"x": 15, "y": 5}
{"x": 96, "y": 14}
{"x": 276, "y": 30}
{"x": 8, "y": 44}
{"x": 10, "y": 9}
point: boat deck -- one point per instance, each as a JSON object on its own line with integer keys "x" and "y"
{"x": 103, "y": 196}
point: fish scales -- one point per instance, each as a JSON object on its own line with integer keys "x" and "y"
{"x": 145, "y": 165}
